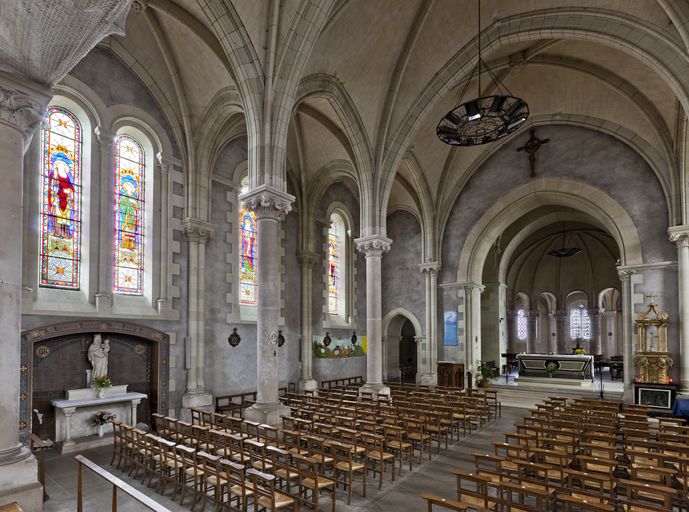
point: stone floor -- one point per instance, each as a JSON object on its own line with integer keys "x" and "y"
{"x": 402, "y": 496}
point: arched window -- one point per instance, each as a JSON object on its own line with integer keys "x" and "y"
{"x": 579, "y": 323}
{"x": 521, "y": 325}
{"x": 247, "y": 254}
{"x": 336, "y": 265}
{"x": 61, "y": 200}
{"x": 129, "y": 213}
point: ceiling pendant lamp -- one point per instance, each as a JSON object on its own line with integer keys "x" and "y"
{"x": 485, "y": 118}
{"x": 564, "y": 252}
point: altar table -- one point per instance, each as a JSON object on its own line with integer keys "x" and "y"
{"x": 73, "y": 418}
{"x": 570, "y": 366}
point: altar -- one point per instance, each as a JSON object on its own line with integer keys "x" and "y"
{"x": 74, "y": 429}
{"x": 568, "y": 368}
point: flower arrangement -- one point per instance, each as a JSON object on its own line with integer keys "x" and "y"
{"x": 102, "y": 418}
{"x": 101, "y": 382}
{"x": 551, "y": 368}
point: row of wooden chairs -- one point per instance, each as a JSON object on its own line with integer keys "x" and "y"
{"x": 580, "y": 455}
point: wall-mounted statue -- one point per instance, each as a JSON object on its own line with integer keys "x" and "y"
{"x": 98, "y": 356}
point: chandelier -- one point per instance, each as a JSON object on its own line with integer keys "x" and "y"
{"x": 485, "y": 118}
{"x": 564, "y": 252}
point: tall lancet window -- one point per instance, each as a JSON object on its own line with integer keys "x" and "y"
{"x": 336, "y": 265}
{"x": 521, "y": 325}
{"x": 128, "y": 244}
{"x": 61, "y": 200}
{"x": 579, "y": 323}
{"x": 247, "y": 254}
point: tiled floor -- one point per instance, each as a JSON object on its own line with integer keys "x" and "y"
{"x": 402, "y": 496}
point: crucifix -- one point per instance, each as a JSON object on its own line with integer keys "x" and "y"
{"x": 530, "y": 147}
{"x": 651, "y": 296}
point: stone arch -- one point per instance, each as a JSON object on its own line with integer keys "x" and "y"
{"x": 571, "y": 24}
{"x": 392, "y": 328}
{"x": 542, "y": 192}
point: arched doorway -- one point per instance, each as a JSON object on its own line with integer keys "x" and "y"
{"x": 402, "y": 346}
{"x": 408, "y": 360}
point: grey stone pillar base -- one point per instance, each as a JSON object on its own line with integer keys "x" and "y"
{"x": 18, "y": 484}
{"x": 268, "y": 414}
{"x": 427, "y": 379}
{"x": 197, "y": 400}
{"x": 628, "y": 395}
{"x": 376, "y": 389}
{"x": 308, "y": 385}
{"x": 12, "y": 455}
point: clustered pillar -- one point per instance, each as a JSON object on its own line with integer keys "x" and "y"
{"x": 626, "y": 279}
{"x": 429, "y": 375}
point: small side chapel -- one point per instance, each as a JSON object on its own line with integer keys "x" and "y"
{"x": 275, "y": 254}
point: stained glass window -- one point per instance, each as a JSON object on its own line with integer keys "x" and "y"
{"x": 247, "y": 255}
{"x": 61, "y": 200}
{"x": 336, "y": 237}
{"x": 521, "y": 325}
{"x": 579, "y": 323}
{"x": 128, "y": 245}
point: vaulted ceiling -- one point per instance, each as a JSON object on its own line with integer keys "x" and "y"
{"x": 397, "y": 66}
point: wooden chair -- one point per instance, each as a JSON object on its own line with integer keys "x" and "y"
{"x": 311, "y": 481}
{"x": 520, "y": 498}
{"x": 238, "y": 489}
{"x": 170, "y": 467}
{"x": 266, "y": 497}
{"x": 191, "y": 474}
{"x": 396, "y": 444}
{"x": 578, "y": 504}
{"x": 214, "y": 484}
{"x": 433, "y": 500}
{"x": 473, "y": 489}
{"x": 418, "y": 437}
{"x": 376, "y": 456}
{"x": 347, "y": 468}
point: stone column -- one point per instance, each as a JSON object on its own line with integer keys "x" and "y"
{"x": 511, "y": 319}
{"x": 552, "y": 332}
{"x": 198, "y": 233}
{"x": 680, "y": 236}
{"x": 595, "y": 331}
{"x": 373, "y": 247}
{"x": 270, "y": 205}
{"x": 163, "y": 301}
{"x": 428, "y": 369}
{"x": 307, "y": 260}
{"x": 610, "y": 322}
{"x": 562, "y": 332}
{"x": 472, "y": 324}
{"x": 104, "y": 221}
{"x": 627, "y": 330}
{"x": 532, "y": 330}
{"x": 22, "y": 107}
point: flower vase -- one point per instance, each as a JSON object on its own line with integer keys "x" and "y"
{"x": 100, "y": 430}
{"x": 101, "y": 392}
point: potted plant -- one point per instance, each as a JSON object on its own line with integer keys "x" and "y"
{"x": 102, "y": 418}
{"x": 483, "y": 375}
{"x": 551, "y": 368}
{"x": 101, "y": 384}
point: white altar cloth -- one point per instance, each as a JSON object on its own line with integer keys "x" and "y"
{"x": 73, "y": 418}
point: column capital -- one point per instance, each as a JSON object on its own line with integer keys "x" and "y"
{"x": 470, "y": 285}
{"x": 679, "y": 235}
{"x": 430, "y": 268}
{"x": 197, "y": 230}
{"x": 139, "y": 6}
{"x": 22, "y": 104}
{"x": 308, "y": 258}
{"x": 105, "y": 138}
{"x": 625, "y": 275}
{"x": 267, "y": 202}
{"x": 373, "y": 245}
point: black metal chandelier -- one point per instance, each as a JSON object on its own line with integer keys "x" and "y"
{"x": 485, "y": 118}
{"x": 564, "y": 252}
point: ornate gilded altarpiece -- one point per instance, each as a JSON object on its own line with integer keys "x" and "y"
{"x": 652, "y": 360}
{"x": 53, "y": 359}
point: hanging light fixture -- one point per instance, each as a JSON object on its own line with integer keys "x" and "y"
{"x": 485, "y": 118}
{"x": 564, "y": 252}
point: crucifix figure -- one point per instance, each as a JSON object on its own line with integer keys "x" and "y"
{"x": 652, "y": 297}
{"x": 532, "y": 145}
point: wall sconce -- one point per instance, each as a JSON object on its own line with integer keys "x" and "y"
{"x": 354, "y": 339}
{"x": 234, "y": 339}
{"x": 326, "y": 339}
{"x": 281, "y": 339}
